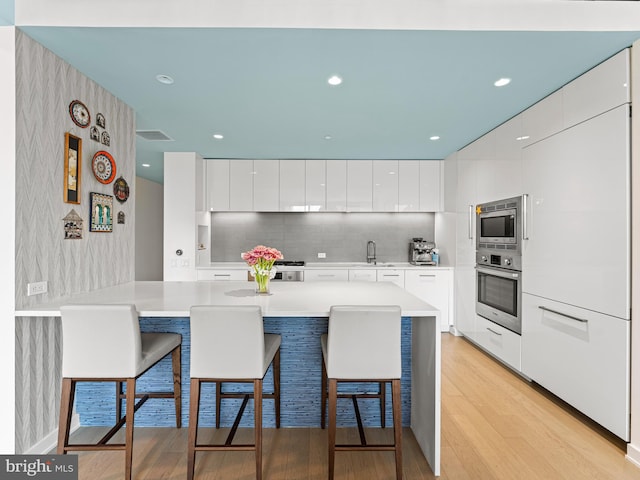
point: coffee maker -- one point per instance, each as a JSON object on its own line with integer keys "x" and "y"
{"x": 420, "y": 252}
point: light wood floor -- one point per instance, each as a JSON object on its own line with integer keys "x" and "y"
{"x": 495, "y": 425}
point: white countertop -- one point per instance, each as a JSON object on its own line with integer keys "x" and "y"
{"x": 287, "y": 299}
{"x": 326, "y": 265}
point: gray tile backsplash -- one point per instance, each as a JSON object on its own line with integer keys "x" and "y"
{"x": 301, "y": 236}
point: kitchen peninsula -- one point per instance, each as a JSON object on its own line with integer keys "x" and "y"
{"x": 303, "y": 307}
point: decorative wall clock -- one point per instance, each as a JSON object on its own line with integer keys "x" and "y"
{"x": 79, "y": 114}
{"x": 121, "y": 190}
{"x": 104, "y": 167}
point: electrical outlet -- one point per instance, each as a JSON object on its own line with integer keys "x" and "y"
{"x": 322, "y": 255}
{"x": 36, "y": 288}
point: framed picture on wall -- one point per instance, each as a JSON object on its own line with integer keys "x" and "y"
{"x": 101, "y": 213}
{"x": 72, "y": 168}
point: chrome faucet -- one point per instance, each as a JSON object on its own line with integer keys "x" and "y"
{"x": 371, "y": 252}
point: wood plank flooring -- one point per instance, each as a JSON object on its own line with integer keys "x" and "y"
{"x": 495, "y": 425}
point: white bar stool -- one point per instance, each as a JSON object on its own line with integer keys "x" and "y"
{"x": 103, "y": 343}
{"x": 228, "y": 344}
{"x": 362, "y": 345}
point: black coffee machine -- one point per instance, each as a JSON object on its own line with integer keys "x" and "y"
{"x": 420, "y": 252}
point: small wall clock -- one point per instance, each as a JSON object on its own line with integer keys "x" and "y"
{"x": 104, "y": 167}
{"x": 79, "y": 114}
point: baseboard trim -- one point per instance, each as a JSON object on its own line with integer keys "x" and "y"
{"x": 50, "y": 442}
{"x": 633, "y": 454}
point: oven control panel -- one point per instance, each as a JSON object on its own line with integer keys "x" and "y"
{"x": 500, "y": 260}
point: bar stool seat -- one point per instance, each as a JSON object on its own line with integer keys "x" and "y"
{"x": 228, "y": 344}
{"x": 104, "y": 343}
{"x": 362, "y": 345}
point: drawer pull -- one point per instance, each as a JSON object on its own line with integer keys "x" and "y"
{"x": 325, "y": 275}
{"x": 426, "y": 276}
{"x": 390, "y": 275}
{"x": 221, "y": 274}
{"x": 581, "y": 320}
{"x": 493, "y": 331}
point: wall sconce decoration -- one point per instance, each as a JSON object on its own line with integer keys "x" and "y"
{"x": 94, "y": 133}
{"x": 72, "y": 226}
{"x": 121, "y": 218}
{"x": 72, "y": 167}
{"x": 101, "y": 213}
{"x": 121, "y": 190}
{"x": 101, "y": 121}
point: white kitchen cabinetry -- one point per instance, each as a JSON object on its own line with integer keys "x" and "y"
{"x": 359, "y": 186}
{"x": 241, "y": 185}
{"x": 223, "y": 275}
{"x": 336, "y": 185}
{"x": 542, "y": 119}
{"x": 362, "y": 275}
{"x": 292, "y": 185}
{"x": 391, "y": 275}
{"x": 316, "y": 185}
{"x": 581, "y": 356}
{"x": 579, "y": 210}
{"x": 217, "y": 185}
{"x": 434, "y": 287}
{"x": 409, "y": 185}
{"x": 602, "y": 88}
{"x": 266, "y": 185}
{"x": 500, "y": 342}
{"x": 430, "y": 185}
{"x": 385, "y": 186}
{"x": 337, "y": 275}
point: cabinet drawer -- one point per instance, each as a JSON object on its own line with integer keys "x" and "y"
{"x": 222, "y": 275}
{"x": 326, "y": 275}
{"x": 368, "y": 275}
{"x": 499, "y": 341}
{"x": 581, "y": 356}
{"x": 394, "y": 276}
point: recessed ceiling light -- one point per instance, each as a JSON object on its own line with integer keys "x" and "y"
{"x": 501, "y": 82}
{"x": 218, "y": 136}
{"x": 435, "y": 137}
{"x": 392, "y": 173}
{"x": 328, "y": 137}
{"x": 524, "y": 137}
{"x": 146, "y": 165}
{"x": 166, "y": 79}
{"x": 334, "y": 80}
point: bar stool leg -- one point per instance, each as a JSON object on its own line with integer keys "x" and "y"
{"x": 333, "y": 394}
{"x": 177, "y": 384}
{"x": 218, "y": 402}
{"x": 194, "y": 404}
{"x": 66, "y": 406}
{"x": 130, "y": 408}
{"x": 276, "y": 385}
{"x": 323, "y": 396}
{"x": 383, "y": 404}
{"x": 118, "y": 401}
{"x": 257, "y": 407}
{"x": 397, "y": 425}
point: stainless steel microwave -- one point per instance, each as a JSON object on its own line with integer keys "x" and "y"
{"x": 499, "y": 224}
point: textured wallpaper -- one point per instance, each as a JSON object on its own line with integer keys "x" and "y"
{"x": 45, "y": 86}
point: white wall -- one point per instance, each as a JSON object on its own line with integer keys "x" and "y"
{"x": 149, "y": 231}
{"x": 7, "y": 239}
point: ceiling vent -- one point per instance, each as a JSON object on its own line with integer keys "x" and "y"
{"x": 154, "y": 135}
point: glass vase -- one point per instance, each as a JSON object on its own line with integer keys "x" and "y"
{"x": 262, "y": 284}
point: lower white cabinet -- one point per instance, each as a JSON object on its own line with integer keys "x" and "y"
{"x": 434, "y": 287}
{"x": 362, "y": 275}
{"x": 497, "y": 340}
{"x": 326, "y": 275}
{"x": 393, "y": 276}
{"x": 223, "y": 275}
{"x": 581, "y": 356}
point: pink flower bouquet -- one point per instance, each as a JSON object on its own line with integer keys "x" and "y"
{"x": 261, "y": 260}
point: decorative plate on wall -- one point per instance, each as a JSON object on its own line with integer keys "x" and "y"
{"x": 79, "y": 114}
{"x": 104, "y": 167}
{"x": 121, "y": 190}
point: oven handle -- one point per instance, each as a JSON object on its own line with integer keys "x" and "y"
{"x": 471, "y": 212}
{"x": 525, "y": 216}
{"x": 577, "y": 319}
{"x": 498, "y": 272}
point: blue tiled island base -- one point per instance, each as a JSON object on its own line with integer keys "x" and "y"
{"x": 301, "y": 372}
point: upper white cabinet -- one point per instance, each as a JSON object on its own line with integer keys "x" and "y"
{"x": 409, "y": 185}
{"x": 430, "y": 185}
{"x": 292, "y": 185}
{"x": 542, "y": 119}
{"x": 316, "y": 185}
{"x": 266, "y": 185}
{"x": 602, "y": 88}
{"x": 217, "y": 173}
{"x": 241, "y": 185}
{"x": 336, "y": 185}
{"x": 385, "y": 186}
{"x": 359, "y": 186}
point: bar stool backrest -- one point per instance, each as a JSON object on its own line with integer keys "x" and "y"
{"x": 227, "y": 342}
{"x": 100, "y": 341}
{"x": 364, "y": 342}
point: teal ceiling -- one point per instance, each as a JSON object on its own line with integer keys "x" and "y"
{"x": 266, "y": 90}
{"x": 7, "y": 12}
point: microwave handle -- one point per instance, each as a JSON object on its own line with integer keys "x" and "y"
{"x": 471, "y": 210}
{"x": 525, "y": 216}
